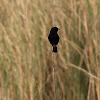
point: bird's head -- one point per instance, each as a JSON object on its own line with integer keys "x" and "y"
{"x": 54, "y": 29}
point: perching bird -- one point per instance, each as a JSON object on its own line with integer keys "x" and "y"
{"x": 54, "y": 38}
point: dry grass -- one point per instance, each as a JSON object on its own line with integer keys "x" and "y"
{"x": 26, "y": 57}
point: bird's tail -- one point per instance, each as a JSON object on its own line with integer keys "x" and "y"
{"x": 55, "y": 49}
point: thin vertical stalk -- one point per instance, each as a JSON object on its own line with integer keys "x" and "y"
{"x": 41, "y": 97}
{"x": 89, "y": 89}
{"x": 54, "y": 77}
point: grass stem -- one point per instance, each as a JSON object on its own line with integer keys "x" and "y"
{"x": 54, "y": 78}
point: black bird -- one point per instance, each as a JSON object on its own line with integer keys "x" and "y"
{"x": 54, "y": 38}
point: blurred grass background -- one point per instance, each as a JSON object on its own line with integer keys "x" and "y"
{"x": 26, "y": 54}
